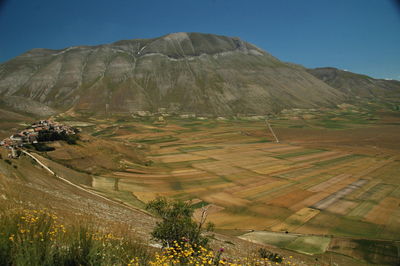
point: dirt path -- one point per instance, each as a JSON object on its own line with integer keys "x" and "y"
{"x": 79, "y": 187}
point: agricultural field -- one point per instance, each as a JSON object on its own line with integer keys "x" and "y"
{"x": 327, "y": 176}
{"x": 379, "y": 252}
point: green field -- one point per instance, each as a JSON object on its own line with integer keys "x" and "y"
{"x": 310, "y": 245}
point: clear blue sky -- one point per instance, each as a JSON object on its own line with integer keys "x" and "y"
{"x": 361, "y": 36}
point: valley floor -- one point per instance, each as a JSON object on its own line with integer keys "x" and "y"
{"x": 328, "y": 187}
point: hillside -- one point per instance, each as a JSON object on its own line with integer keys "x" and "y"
{"x": 180, "y": 72}
{"x": 353, "y": 84}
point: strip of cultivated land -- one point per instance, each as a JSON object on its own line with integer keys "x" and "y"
{"x": 250, "y": 182}
{"x": 319, "y": 187}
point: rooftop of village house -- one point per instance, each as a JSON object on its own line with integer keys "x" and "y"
{"x": 30, "y": 134}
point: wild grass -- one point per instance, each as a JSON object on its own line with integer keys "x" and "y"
{"x": 36, "y": 237}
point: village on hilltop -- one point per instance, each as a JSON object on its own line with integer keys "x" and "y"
{"x": 41, "y": 131}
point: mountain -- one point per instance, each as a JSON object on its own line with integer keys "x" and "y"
{"x": 356, "y": 85}
{"x": 181, "y": 72}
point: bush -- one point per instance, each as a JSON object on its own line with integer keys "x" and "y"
{"x": 42, "y": 147}
{"x": 177, "y": 223}
{"x": 71, "y": 139}
{"x": 265, "y": 254}
{"x": 47, "y": 135}
{"x": 38, "y": 147}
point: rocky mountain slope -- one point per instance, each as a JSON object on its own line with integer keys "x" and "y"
{"x": 356, "y": 85}
{"x": 181, "y": 72}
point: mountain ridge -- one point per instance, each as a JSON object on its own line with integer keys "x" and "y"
{"x": 206, "y": 74}
{"x": 229, "y": 43}
{"x": 356, "y": 85}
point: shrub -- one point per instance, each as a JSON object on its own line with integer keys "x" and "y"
{"x": 265, "y": 254}
{"x": 177, "y": 223}
{"x": 47, "y": 135}
{"x": 42, "y": 147}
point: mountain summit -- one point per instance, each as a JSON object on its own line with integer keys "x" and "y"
{"x": 200, "y": 73}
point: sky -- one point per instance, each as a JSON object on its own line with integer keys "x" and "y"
{"x": 361, "y": 36}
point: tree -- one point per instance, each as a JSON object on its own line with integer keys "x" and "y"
{"x": 46, "y": 135}
{"x": 177, "y": 223}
